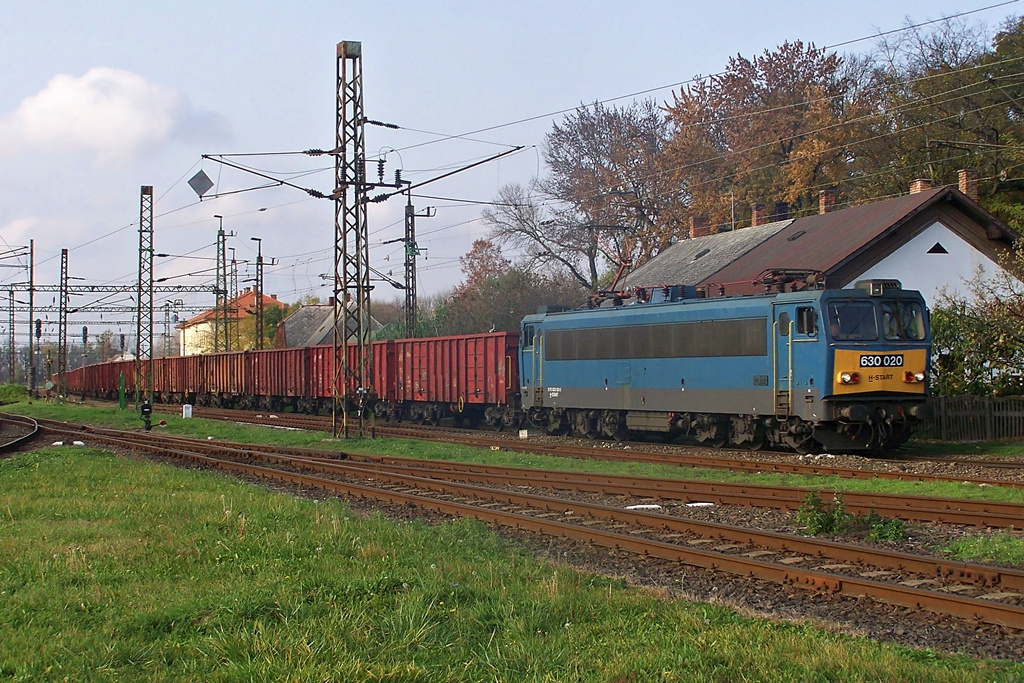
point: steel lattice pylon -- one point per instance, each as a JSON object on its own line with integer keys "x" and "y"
{"x": 10, "y": 343}
{"x": 351, "y": 244}
{"x": 144, "y": 329}
{"x": 62, "y": 326}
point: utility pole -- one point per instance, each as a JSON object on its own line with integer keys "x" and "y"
{"x": 351, "y": 243}
{"x": 10, "y": 326}
{"x": 221, "y": 324}
{"x": 412, "y": 250}
{"x": 31, "y": 317}
{"x": 62, "y": 326}
{"x": 259, "y": 291}
{"x": 144, "y": 329}
{"x": 167, "y": 328}
{"x": 233, "y": 292}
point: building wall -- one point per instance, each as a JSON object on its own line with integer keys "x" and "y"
{"x": 932, "y": 273}
{"x": 196, "y": 339}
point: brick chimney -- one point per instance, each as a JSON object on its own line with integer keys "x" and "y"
{"x": 758, "y": 215}
{"x": 826, "y": 201}
{"x": 699, "y": 226}
{"x": 920, "y": 185}
{"x": 968, "y": 181}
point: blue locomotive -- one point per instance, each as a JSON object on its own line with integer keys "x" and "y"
{"x": 834, "y": 369}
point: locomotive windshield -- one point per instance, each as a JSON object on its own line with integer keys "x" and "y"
{"x": 901, "y": 320}
{"x": 852, "y": 321}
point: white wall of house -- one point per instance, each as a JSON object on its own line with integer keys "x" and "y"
{"x": 932, "y": 273}
{"x": 194, "y": 339}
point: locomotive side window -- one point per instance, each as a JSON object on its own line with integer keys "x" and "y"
{"x": 902, "y": 320}
{"x": 527, "y": 336}
{"x": 807, "y": 321}
{"x": 697, "y": 339}
{"x": 784, "y": 324}
{"x": 852, "y": 321}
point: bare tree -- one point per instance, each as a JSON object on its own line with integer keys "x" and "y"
{"x": 603, "y": 201}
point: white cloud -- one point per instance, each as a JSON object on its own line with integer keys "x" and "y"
{"x": 111, "y": 113}
{"x": 18, "y": 231}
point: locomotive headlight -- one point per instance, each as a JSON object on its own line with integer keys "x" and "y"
{"x": 849, "y": 377}
{"x": 912, "y": 377}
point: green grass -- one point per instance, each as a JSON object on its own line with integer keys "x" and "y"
{"x": 1009, "y": 447}
{"x": 12, "y": 392}
{"x": 1003, "y": 548}
{"x": 119, "y": 569}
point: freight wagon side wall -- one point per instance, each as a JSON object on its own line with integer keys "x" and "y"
{"x": 321, "y": 369}
{"x": 226, "y": 373}
{"x": 278, "y": 372}
{"x": 385, "y": 373}
{"x": 476, "y": 369}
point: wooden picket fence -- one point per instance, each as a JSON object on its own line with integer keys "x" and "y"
{"x": 974, "y": 418}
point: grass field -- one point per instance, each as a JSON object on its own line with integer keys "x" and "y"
{"x": 1007, "y": 548}
{"x": 113, "y": 569}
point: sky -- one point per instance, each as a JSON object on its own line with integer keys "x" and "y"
{"x": 101, "y": 98}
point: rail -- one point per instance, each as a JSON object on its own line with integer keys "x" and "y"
{"x": 974, "y": 592}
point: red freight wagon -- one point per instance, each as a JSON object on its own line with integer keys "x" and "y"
{"x": 74, "y": 380}
{"x": 385, "y": 370}
{"x": 320, "y": 361}
{"x": 160, "y": 379}
{"x": 280, "y": 376}
{"x": 179, "y": 381}
{"x": 110, "y": 377}
{"x": 473, "y": 368}
{"x": 225, "y": 376}
{"x": 475, "y": 376}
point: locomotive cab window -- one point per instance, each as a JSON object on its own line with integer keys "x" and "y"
{"x": 527, "y": 336}
{"x": 807, "y": 321}
{"x": 784, "y": 324}
{"x": 852, "y": 321}
{"x": 902, "y": 320}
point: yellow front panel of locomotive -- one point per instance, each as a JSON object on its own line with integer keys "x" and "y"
{"x": 877, "y": 371}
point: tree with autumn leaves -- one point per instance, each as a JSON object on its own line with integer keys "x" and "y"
{"x": 777, "y": 128}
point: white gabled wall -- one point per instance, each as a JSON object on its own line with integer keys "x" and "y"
{"x": 195, "y": 339}
{"x": 915, "y": 268}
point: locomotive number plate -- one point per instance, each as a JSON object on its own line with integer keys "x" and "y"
{"x": 882, "y": 360}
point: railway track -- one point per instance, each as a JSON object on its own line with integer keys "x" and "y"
{"x": 983, "y": 593}
{"x": 610, "y": 452}
{"x": 16, "y": 432}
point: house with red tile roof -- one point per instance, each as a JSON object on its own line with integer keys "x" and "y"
{"x": 196, "y": 335}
